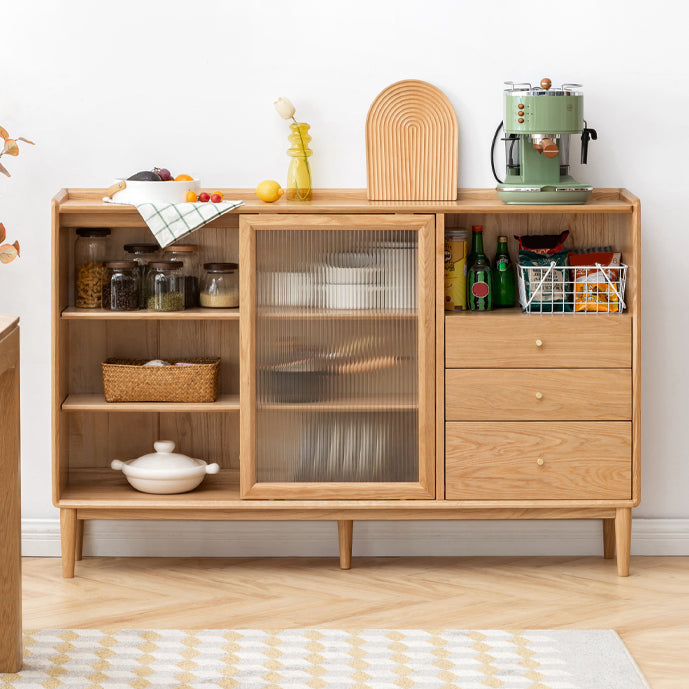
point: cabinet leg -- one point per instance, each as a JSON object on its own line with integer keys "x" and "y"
{"x": 623, "y": 539}
{"x": 345, "y": 531}
{"x": 79, "y": 550}
{"x": 608, "y": 538}
{"x": 68, "y": 529}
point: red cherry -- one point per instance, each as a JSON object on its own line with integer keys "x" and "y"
{"x": 204, "y": 196}
{"x": 216, "y": 198}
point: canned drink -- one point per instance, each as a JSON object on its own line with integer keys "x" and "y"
{"x": 456, "y": 270}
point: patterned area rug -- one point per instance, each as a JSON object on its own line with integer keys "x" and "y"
{"x": 287, "y": 659}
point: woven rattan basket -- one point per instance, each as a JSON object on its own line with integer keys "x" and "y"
{"x": 128, "y": 380}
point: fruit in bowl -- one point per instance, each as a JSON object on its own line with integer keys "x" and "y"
{"x": 144, "y": 186}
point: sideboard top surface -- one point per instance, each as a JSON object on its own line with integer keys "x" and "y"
{"x": 72, "y": 203}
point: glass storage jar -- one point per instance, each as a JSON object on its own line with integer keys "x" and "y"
{"x": 220, "y": 286}
{"x": 188, "y": 255}
{"x": 165, "y": 286}
{"x": 143, "y": 254}
{"x": 121, "y": 286}
{"x": 90, "y": 250}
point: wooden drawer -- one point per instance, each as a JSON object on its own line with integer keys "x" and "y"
{"x": 517, "y": 340}
{"x": 585, "y": 460}
{"x": 523, "y": 394}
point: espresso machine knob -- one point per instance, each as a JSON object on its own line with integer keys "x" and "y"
{"x": 546, "y": 84}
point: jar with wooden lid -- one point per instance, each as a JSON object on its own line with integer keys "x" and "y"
{"x": 165, "y": 286}
{"x": 189, "y": 256}
{"x": 90, "y": 251}
{"x": 143, "y": 253}
{"x": 121, "y": 286}
{"x": 220, "y": 286}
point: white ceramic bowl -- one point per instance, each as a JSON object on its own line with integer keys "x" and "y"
{"x": 164, "y": 471}
{"x": 134, "y": 192}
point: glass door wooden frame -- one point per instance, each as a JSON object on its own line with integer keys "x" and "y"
{"x": 424, "y": 488}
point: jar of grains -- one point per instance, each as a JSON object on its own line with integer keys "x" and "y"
{"x": 165, "y": 286}
{"x": 90, "y": 250}
{"x": 188, "y": 255}
{"x": 143, "y": 254}
{"x": 121, "y": 286}
{"x": 220, "y": 286}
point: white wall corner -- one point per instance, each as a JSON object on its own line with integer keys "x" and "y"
{"x": 41, "y": 537}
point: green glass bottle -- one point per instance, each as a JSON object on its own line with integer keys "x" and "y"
{"x": 475, "y": 231}
{"x": 480, "y": 277}
{"x": 504, "y": 283}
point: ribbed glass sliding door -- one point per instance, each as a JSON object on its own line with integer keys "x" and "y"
{"x": 339, "y": 334}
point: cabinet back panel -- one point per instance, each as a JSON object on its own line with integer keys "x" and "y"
{"x": 96, "y": 438}
{"x": 93, "y": 341}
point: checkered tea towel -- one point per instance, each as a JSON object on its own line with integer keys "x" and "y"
{"x": 171, "y": 221}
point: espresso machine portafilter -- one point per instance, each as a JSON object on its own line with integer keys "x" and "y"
{"x": 538, "y": 122}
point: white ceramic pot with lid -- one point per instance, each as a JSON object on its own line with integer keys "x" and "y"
{"x": 164, "y": 471}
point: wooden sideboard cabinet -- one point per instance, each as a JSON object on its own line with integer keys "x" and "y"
{"x": 347, "y": 390}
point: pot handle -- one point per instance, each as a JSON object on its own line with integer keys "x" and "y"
{"x": 212, "y": 468}
{"x": 118, "y": 186}
{"x": 117, "y": 464}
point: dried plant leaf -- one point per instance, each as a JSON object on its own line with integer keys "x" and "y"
{"x": 21, "y": 138}
{"x": 16, "y": 246}
{"x": 3, "y": 133}
{"x": 3, "y": 233}
{"x": 7, "y": 253}
{"x": 4, "y": 171}
{"x": 11, "y": 148}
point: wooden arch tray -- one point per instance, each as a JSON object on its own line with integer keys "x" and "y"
{"x": 411, "y": 144}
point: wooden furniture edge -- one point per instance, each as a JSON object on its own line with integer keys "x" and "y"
{"x": 75, "y": 201}
{"x": 10, "y": 500}
{"x": 335, "y": 514}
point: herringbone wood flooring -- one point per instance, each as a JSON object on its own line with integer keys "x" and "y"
{"x": 649, "y": 609}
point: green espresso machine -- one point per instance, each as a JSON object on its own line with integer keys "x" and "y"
{"x": 538, "y": 122}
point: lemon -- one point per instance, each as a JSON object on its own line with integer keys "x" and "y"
{"x": 269, "y": 190}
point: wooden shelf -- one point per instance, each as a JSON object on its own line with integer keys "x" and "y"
{"x": 381, "y": 404}
{"x": 97, "y": 403}
{"x": 517, "y": 311}
{"x": 85, "y": 207}
{"x": 199, "y": 314}
{"x": 109, "y": 487}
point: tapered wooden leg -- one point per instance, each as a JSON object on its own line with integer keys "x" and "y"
{"x": 68, "y": 529}
{"x": 79, "y": 550}
{"x": 345, "y": 531}
{"x": 623, "y": 539}
{"x": 608, "y": 538}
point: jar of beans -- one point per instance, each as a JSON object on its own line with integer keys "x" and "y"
{"x": 121, "y": 286}
{"x": 165, "y": 286}
{"x": 188, "y": 255}
{"x": 90, "y": 250}
{"x": 143, "y": 254}
{"x": 220, "y": 286}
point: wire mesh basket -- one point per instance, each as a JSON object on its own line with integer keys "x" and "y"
{"x": 556, "y": 288}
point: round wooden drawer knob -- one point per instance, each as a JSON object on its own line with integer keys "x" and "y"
{"x": 539, "y": 395}
{"x": 539, "y": 461}
{"x": 539, "y": 343}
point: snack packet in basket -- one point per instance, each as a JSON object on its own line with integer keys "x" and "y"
{"x": 545, "y": 287}
{"x": 593, "y": 290}
{"x": 543, "y": 244}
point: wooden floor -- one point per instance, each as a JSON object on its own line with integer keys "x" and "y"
{"x": 649, "y": 609}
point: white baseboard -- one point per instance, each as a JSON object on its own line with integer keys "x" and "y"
{"x": 41, "y": 537}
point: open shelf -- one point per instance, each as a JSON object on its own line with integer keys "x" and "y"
{"x": 199, "y": 314}
{"x": 107, "y": 487}
{"x": 95, "y": 402}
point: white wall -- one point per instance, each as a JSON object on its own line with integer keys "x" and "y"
{"x": 108, "y": 89}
